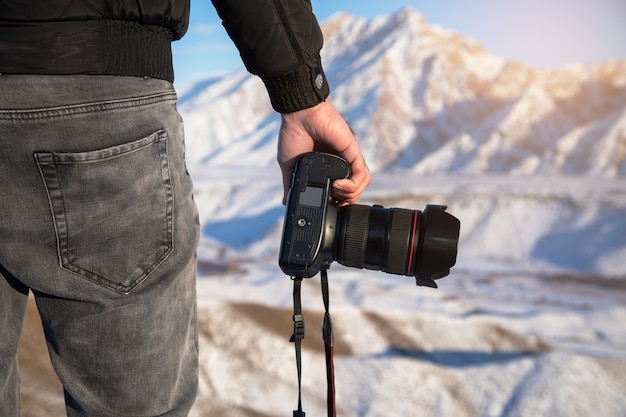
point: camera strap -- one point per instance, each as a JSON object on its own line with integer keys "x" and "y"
{"x": 296, "y": 338}
{"x": 329, "y": 343}
{"x": 329, "y": 348}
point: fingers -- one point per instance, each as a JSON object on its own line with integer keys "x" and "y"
{"x": 349, "y": 190}
{"x": 322, "y": 129}
{"x": 347, "y": 146}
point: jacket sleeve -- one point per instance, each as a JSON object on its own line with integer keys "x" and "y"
{"x": 279, "y": 41}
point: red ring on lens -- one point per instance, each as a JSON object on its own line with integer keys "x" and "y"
{"x": 412, "y": 243}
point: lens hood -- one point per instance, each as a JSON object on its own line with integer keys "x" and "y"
{"x": 438, "y": 249}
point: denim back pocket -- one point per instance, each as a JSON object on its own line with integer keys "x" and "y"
{"x": 112, "y": 210}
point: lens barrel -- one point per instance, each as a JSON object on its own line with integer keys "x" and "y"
{"x": 397, "y": 241}
{"x": 375, "y": 238}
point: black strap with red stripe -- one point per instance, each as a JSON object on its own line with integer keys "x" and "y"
{"x": 329, "y": 344}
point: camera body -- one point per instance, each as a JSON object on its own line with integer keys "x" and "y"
{"x": 311, "y": 215}
{"x": 317, "y": 231}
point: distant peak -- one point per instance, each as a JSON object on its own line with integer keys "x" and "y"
{"x": 404, "y": 16}
{"x": 408, "y": 13}
{"x": 338, "y": 20}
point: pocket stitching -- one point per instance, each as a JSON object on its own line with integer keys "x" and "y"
{"x": 47, "y": 162}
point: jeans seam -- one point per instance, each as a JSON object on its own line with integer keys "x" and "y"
{"x": 84, "y": 108}
{"x": 47, "y": 164}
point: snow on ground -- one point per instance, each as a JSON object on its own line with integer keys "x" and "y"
{"x": 528, "y": 323}
{"x": 483, "y": 344}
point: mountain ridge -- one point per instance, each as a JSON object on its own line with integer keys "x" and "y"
{"x": 429, "y": 100}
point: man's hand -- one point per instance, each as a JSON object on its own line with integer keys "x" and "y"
{"x": 322, "y": 129}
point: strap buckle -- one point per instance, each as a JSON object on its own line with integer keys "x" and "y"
{"x": 298, "y": 328}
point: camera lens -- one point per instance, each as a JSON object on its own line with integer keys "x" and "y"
{"x": 398, "y": 241}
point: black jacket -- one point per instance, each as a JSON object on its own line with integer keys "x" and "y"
{"x": 279, "y": 40}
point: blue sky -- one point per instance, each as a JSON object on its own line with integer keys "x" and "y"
{"x": 539, "y": 33}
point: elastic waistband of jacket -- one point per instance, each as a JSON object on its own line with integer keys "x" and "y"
{"x": 104, "y": 47}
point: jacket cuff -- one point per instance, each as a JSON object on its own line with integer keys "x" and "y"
{"x": 298, "y": 89}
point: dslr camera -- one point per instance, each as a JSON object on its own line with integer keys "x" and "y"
{"x": 317, "y": 231}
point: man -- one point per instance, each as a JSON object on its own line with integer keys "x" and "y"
{"x": 96, "y": 211}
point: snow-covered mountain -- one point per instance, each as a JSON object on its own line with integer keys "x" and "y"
{"x": 429, "y": 100}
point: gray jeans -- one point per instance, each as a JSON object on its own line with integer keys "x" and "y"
{"x": 97, "y": 219}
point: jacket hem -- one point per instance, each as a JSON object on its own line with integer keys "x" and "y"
{"x": 103, "y": 47}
